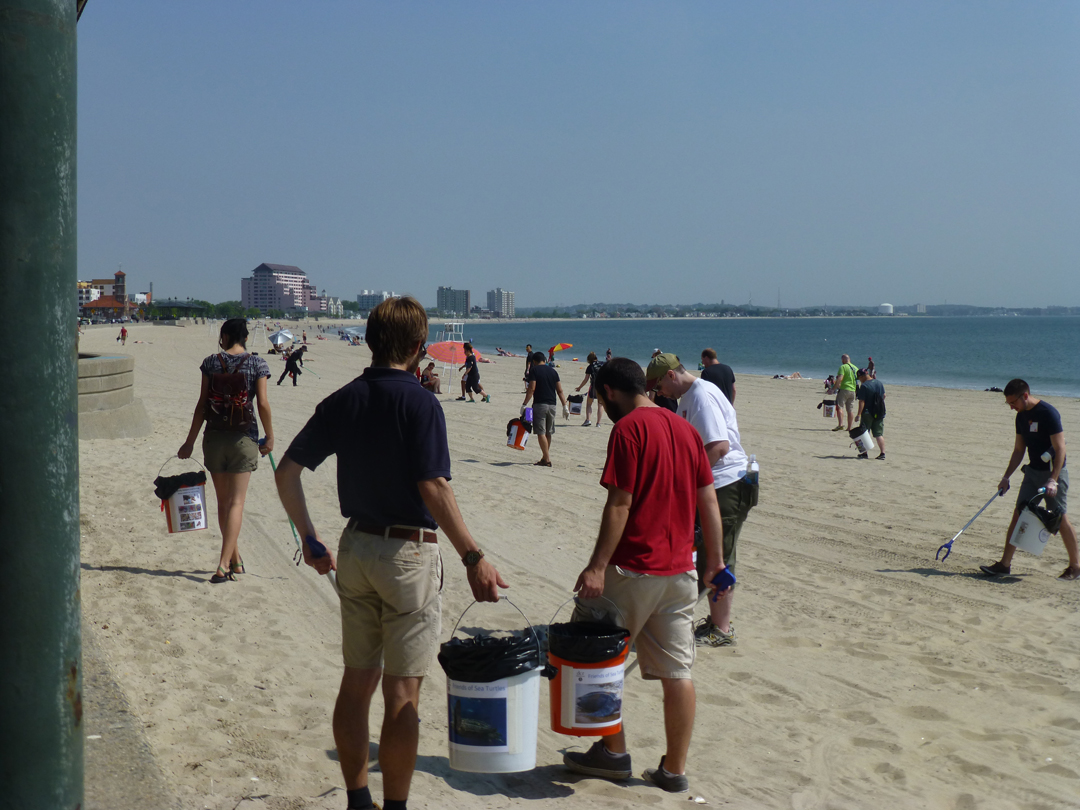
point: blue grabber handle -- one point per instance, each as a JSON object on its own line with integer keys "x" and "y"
{"x": 319, "y": 550}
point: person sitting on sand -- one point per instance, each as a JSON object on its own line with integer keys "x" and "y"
{"x": 429, "y": 378}
{"x": 231, "y": 455}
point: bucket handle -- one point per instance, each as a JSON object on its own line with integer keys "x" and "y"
{"x": 572, "y": 598}
{"x": 190, "y": 458}
{"x": 528, "y": 623}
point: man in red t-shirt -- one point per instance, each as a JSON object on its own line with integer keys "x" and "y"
{"x": 656, "y": 475}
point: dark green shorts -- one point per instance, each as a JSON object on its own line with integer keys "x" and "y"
{"x": 229, "y": 451}
{"x": 874, "y": 425}
{"x": 735, "y": 501}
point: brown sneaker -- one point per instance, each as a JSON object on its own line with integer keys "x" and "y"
{"x": 1070, "y": 573}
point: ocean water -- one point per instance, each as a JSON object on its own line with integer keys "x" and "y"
{"x": 974, "y": 353}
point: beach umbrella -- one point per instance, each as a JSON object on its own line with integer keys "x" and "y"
{"x": 558, "y": 347}
{"x": 448, "y": 351}
{"x": 284, "y": 336}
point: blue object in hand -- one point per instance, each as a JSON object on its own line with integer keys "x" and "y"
{"x": 724, "y": 579}
{"x": 317, "y": 548}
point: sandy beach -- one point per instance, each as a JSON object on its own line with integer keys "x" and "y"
{"x": 866, "y": 674}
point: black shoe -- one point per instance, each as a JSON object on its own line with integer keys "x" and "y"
{"x": 671, "y": 782}
{"x": 995, "y": 570}
{"x": 863, "y": 455}
{"x": 881, "y": 457}
{"x": 598, "y": 761}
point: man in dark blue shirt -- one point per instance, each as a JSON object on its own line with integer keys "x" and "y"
{"x": 393, "y": 473}
{"x": 1039, "y": 432}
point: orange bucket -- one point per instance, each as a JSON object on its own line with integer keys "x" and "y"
{"x": 517, "y": 435}
{"x": 586, "y": 693}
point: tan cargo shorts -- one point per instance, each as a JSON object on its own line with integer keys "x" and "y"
{"x": 390, "y": 603}
{"x": 658, "y": 612}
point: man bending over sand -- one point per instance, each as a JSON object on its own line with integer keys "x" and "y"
{"x": 393, "y": 474}
{"x": 1038, "y": 428}
{"x": 656, "y": 474}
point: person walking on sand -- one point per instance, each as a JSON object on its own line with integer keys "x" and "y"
{"x": 718, "y": 374}
{"x": 393, "y": 483}
{"x": 231, "y": 440}
{"x": 871, "y": 415}
{"x": 845, "y": 393}
{"x": 122, "y": 337}
{"x": 1039, "y": 430}
{"x": 544, "y": 386}
{"x": 293, "y": 361}
{"x": 590, "y": 378}
{"x": 470, "y": 381}
{"x": 706, "y": 408}
{"x": 870, "y": 370}
{"x": 528, "y": 365}
{"x": 641, "y": 573}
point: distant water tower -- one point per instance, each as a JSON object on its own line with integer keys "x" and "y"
{"x": 884, "y": 309}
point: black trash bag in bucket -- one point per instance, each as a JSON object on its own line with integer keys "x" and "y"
{"x": 484, "y": 659}
{"x": 166, "y": 485}
{"x": 1050, "y": 518}
{"x": 587, "y": 642}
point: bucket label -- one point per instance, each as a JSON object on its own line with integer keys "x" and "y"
{"x": 190, "y": 510}
{"x": 477, "y": 716}
{"x": 594, "y": 699}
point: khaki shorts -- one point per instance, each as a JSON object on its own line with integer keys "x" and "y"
{"x": 846, "y": 400}
{"x": 390, "y": 603}
{"x": 658, "y": 612}
{"x": 229, "y": 451}
{"x": 544, "y": 420}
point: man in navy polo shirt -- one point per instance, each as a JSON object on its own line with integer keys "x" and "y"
{"x": 393, "y": 473}
{"x": 1039, "y": 430}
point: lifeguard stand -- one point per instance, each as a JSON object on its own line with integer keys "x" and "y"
{"x": 452, "y": 332}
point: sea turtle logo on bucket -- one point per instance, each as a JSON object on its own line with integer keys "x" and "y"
{"x": 478, "y": 715}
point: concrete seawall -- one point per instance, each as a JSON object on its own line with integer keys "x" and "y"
{"x": 108, "y": 408}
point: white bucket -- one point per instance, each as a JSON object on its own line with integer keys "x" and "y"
{"x": 493, "y": 725}
{"x": 1029, "y": 534}
{"x": 185, "y": 511}
{"x": 828, "y": 410}
{"x": 575, "y": 404}
{"x": 865, "y": 442}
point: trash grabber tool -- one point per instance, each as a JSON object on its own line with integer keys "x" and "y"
{"x": 317, "y": 548}
{"x": 947, "y": 547}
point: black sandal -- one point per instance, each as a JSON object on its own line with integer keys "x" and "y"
{"x": 222, "y": 576}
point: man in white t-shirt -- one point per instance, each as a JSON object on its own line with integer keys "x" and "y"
{"x": 705, "y": 407}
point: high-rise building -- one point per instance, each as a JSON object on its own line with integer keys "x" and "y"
{"x": 367, "y": 300}
{"x": 277, "y": 286}
{"x": 501, "y": 302}
{"x": 453, "y": 302}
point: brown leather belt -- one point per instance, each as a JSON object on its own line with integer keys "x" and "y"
{"x": 396, "y": 532}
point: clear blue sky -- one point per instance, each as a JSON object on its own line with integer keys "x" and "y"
{"x": 843, "y": 153}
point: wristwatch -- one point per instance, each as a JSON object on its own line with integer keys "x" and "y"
{"x": 471, "y": 558}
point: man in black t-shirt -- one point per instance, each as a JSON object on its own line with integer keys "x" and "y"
{"x": 544, "y": 386}
{"x": 1039, "y": 432}
{"x": 718, "y": 374}
{"x": 393, "y": 481}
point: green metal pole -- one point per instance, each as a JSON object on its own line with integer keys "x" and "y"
{"x": 40, "y": 664}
